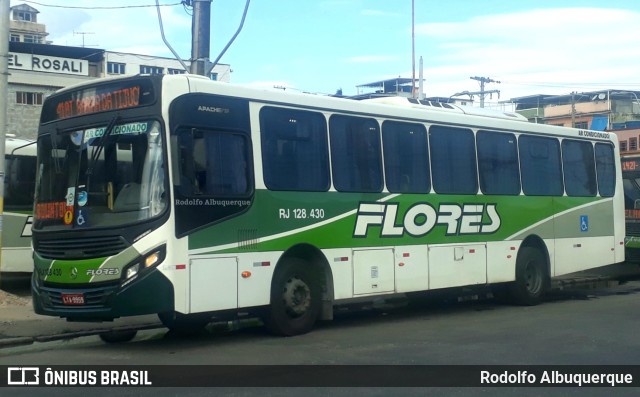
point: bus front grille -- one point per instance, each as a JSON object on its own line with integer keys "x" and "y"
{"x": 80, "y": 248}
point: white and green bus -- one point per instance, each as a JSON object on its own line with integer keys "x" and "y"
{"x": 201, "y": 200}
{"x": 19, "y": 185}
{"x": 631, "y": 185}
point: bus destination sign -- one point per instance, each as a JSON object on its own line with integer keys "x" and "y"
{"x": 631, "y": 165}
{"x": 101, "y": 98}
{"x": 123, "y": 98}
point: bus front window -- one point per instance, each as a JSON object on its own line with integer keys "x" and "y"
{"x": 98, "y": 177}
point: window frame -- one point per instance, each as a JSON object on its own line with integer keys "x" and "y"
{"x": 29, "y": 98}
{"x": 351, "y": 154}
{"x": 267, "y": 136}
{"x": 526, "y": 174}
{"x": 454, "y": 152}
{"x": 116, "y": 68}
{"x": 392, "y": 129}
{"x": 482, "y": 172}
{"x": 571, "y": 182}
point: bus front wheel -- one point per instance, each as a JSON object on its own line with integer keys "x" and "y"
{"x": 295, "y": 299}
{"x": 532, "y": 280}
{"x": 118, "y": 336}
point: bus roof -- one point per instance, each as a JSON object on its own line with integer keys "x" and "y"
{"x": 19, "y": 146}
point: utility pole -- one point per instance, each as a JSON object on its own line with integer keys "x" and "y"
{"x": 4, "y": 93}
{"x": 200, "y": 36}
{"x": 413, "y": 49}
{"x": 482, "y": 92}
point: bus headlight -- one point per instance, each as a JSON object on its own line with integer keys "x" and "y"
{"x": 150, "y": 260}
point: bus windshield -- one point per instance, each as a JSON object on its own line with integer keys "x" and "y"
{"x": 103, "y": 176}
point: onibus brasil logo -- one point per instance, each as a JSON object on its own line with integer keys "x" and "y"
{"x": 419, "y": 219}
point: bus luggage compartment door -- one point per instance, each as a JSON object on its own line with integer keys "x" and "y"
{"x": 373, "y": 271}
{"x": 457, "y": 265}
{"x": 214, "y": 284}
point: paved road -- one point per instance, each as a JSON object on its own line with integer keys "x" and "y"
{"x": 598, "y": 327}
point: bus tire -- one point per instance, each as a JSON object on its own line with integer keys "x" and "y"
{"x": 118, "y": 336}
{"x": 182, "y": 324}
{"x": 532, "y": 279}
{"x": 295, "y": 299}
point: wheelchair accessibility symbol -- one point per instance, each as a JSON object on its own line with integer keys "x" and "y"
{"x": 584, "y": 223}
{"x": 81, "y": 218}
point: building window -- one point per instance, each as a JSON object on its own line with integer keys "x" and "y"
{"x": 29, "y": 98}
{"x": 176, "y": 71}
{"x": 633, "y": 143}
{"x": 23, "y": 16}
{"x": 14, "y": 37}
{"x": 214, "y": 76}
{"x": 144, "y": 69}
{"x": 623, "y": 146}
{"x": 581, "y": 125}
{"x": 115, "y": 68}
{"x": 29, "y": 38}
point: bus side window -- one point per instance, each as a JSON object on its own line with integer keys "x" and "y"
{"x": 540, "y": 165}
{"x": 355, "y": 154}
{"x": 213, "y": 164}
{"x": 605, "y": 169}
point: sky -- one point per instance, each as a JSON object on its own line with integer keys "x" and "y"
{"x": 530, "y": 46}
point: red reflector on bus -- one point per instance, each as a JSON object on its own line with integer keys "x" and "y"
{"x": 341, "y": 259}
{"x": 181, "y": 267}
{"x": 472, "y": 251}
{"x": 261, "y": 264}
{"x": 406, "y": 255}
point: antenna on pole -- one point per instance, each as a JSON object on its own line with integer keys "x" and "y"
{"x": 84, "y": 34}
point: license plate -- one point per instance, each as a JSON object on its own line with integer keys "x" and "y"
{"x": 73, "y": 299}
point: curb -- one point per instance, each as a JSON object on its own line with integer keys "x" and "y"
{"x": 28, "y": 340}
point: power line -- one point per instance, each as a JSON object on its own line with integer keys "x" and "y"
{"x": 568, "y": 85}
{"x": 102, "y": 7}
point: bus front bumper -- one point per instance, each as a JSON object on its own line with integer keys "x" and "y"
{"x": 150, "y": 294}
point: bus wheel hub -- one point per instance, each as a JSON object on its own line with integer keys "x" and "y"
{"x": 297, "y": 297}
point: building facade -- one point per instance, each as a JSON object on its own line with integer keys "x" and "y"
{"x": 38, "y": 68}
{"x": 616, "y": 111}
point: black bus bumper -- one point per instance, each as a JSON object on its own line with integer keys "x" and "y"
{"x": 150, "y": 294}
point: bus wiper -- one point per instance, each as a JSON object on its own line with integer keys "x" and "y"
{"x": 54, "y": 146}
{"x": 97, "y": 150}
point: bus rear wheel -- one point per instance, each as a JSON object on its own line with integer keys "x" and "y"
{"x": 295, "y": 299}
{"x": 532, "y": 279}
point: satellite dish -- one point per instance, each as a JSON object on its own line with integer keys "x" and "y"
{"x": 602, "y": 96}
